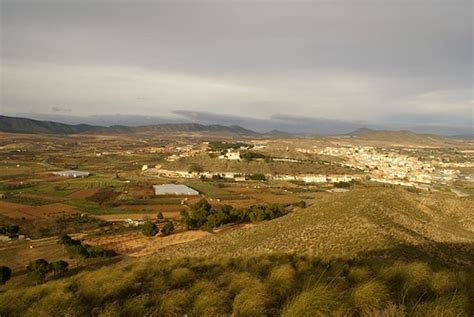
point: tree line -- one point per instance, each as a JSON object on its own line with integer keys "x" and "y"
{"x": 76, "y": 249}
{"x": 205, "y": 216}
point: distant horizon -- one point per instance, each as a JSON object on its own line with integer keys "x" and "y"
{"x": 341, "y": 129}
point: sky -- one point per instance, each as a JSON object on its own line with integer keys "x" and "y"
{"x": 398, "y": 61}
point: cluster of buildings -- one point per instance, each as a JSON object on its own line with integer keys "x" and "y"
{"x": 189, "y": 150}
{"x": 307, "y": 178}
{"x": 230, "y": 155}
{"x": 390, "y": 166}
{"x": 316, "y": 178}
{"x": 186, "y": 174}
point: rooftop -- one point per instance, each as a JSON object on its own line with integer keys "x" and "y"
{"x": 72, "y": 173}
{"x": 174, "y": 189}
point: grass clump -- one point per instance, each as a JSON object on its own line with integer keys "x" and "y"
{"x": 369, "y": 296}
{"x": 181, "y": 277}
{"x": 250, "y": 302}
{"x": 274, "y": 285}
{"x": 280, "y": 282}
{"x": 359, "y": 274}
{"x": 318, "y": 301}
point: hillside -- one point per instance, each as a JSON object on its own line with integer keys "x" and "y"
{"x": 396, "y": 136}
{"x": 24, "y": 125}
{"x": 371, "y": 252}
{"x": 374, "y": 220}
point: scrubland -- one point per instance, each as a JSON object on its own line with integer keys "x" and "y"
{"x": 269, "y": 285}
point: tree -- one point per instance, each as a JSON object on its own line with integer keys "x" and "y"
{"x": 185, "y": 218}
{"x": 167, "y": 229}
{"x": 38, "y": 269}
{"x": 5, "y": 274}
{"x": 149, "y": 229}
{"x": 159, "y": 216}
{"x": 77, "y": 251}
{"x": 59, "y": 267}
{"x": 195, "y": 168}
{"x": 64, "y": 238}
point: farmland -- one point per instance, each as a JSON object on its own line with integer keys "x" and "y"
{"x": 358, "y": 221}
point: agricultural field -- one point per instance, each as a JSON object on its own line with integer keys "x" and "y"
{"x": 265, "y": 227}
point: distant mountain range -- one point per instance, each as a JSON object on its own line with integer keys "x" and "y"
{"x": 31, "y": 126}
{"x": 278, "y": 123}
{"x": 24, "y": 125}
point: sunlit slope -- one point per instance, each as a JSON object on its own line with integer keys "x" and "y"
{"x": 373, "y": 220}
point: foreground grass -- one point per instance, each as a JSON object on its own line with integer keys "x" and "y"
{"x": 271, "y": 285}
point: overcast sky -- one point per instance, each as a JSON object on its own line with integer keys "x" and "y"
{"x": 380, "y": 60}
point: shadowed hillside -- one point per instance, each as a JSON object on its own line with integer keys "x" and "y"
{"x": 396, "y": 136}
{"x": 354, "y": 222}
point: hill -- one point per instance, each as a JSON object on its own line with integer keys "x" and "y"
{"x": 378, "y": 221}
{"x": 463, "y": 136}
{"x": 371, "y": 252}
{"x": 402, "y": 136}
{"x": 24, "y": 125}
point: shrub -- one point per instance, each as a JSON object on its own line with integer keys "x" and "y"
{"x": 408, "y": 281}
{"x": 300, "y": 204}
{"x": 59, "y": 267}
{"x": 38, "y": 269}
{"x": 159, "y": 215}
{"x": 358, "y": 274}
{"x": 452, "y": 305}
{"x": 443, "y": 283}
{"x": 5, "y": 274}
{"x": 167, "y": 229}
{"x": 180, "y": 277}
{"x": 250, "y": 302}
{"x": 240, "y": 281}
{"x": 257, "y": 177}
{"x": 280, "y": 282}
{"x": 195, "y": 168}
{"x": 250, "y": 155}
{"x": 209, "y": 303}
{"x": 174, "y": 303}
{"x": 149, "y": 229}
{"x": 369, "y": 296}
{"x": 317, "y": 301}
{"x": 77, "y": 251}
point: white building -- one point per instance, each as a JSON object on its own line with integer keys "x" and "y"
{"x": 72, "y": 173}
{"x": 174, "y": 189}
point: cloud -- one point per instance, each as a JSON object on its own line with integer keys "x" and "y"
{"x": 339, "y": 60}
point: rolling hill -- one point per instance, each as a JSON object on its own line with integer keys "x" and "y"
{"x": 378, "y": 221}
{"x": 370, "y": 252}
{"x": 401, "y": 136}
